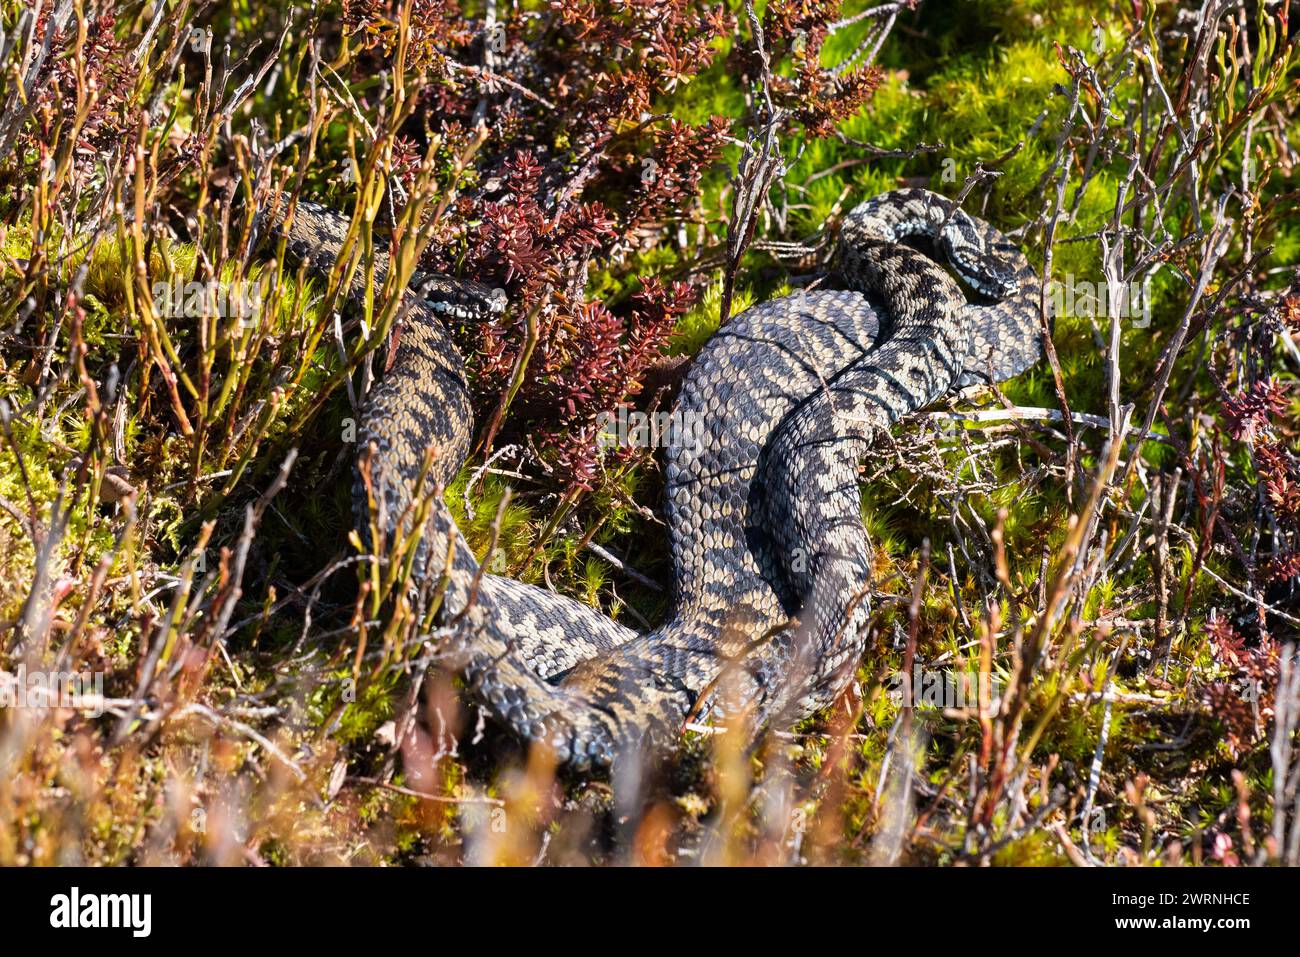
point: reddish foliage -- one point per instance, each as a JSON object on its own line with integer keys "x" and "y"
{"x": 591, "y": 369}
{"x": 1281, "y": 477}
{"x": 1251, "y": 410}
{"x": 108, "y": 72}
{"x": 1259, "y": 417}
{"x": 525, "y": 244}
{"x": 1245, "y": 703}
{"x": 1281, "y": 567}
{"x": 670, "y": 174}
{"x": 567, "y": 105}
{"x": 1290, "y": 313}
{"x": 818, "y": 97}
{"x": 434, "y": 23}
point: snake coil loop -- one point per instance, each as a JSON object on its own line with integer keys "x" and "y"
{"x": 771, "y": 562}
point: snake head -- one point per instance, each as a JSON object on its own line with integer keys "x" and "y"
{"x": 461, "y": 299}
{"x": 988, "y": 275}
{"x": 985, "y": 262}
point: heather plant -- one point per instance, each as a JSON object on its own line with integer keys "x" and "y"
{"x": 1109, "y": 541}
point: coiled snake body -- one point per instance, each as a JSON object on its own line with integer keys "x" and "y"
{"x": 770, "y": 558}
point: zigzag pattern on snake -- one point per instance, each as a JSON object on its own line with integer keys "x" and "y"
{"x": 771, "y": 562}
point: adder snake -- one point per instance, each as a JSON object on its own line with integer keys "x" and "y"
{"x": 770, "y": 557}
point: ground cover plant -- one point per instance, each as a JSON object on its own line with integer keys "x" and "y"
{"x": 1086, "y": 577}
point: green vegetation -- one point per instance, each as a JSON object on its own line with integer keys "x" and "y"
{"x": 175, "y": 492}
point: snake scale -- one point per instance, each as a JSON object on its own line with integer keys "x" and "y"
{"x": 770, "y": 558}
